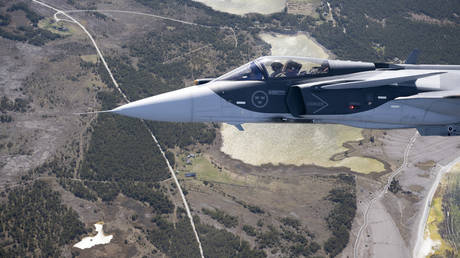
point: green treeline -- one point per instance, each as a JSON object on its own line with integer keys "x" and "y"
{"x": 365, "y": 30}
{"x": 122, "y": 150}
{"x": 31, "y": 15}
{"x": 107, "y": 191}
{"x": 34, "y": 222}
{"x": 148, "y": 193}
{"x": 29, "y": 33}
{"x": 78, "y": 189}
{"x": 223, "y": 218}
{"x": 122, "y": 157}
{"x": 341, "y": 217}
{"x": 140, "y": 84}
{"x": 178, "y": 240}
{"x": 182, "y": 134}
{"x": 291, "y": 238}
{"x": 175, "y": 240}
{"x": 221, "y": 243}
{"x": 383, "y": 30}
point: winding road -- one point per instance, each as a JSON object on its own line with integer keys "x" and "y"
{"x": 173, "y": 175}
{"x": 382, "y": 193}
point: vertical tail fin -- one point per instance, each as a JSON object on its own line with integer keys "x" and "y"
{"x": 412, "y": 58}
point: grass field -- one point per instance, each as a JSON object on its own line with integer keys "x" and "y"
{"x": 435, "y": 218}
{"x": 304, "y": 7}
{"x": 89, "y": 58}
{"x": 56, "y": 27}
{"x": 206, "y": 171}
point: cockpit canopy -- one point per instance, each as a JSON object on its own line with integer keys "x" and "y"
{"x": 278, "y": 67}
{"x": 293, "y": 67}
{"x": 273, "y": 67}
{"x": 248, "y": 72}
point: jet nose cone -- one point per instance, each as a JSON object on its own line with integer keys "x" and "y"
{"x": 175, "y": 106}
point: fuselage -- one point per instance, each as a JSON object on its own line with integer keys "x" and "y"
{"x": 308, "y": 90}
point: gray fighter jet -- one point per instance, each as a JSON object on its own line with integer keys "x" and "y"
{"x": 311, "y": 90}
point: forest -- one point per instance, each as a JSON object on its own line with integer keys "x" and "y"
{"x": 122, "y": 158}
{"x": 221, "y": 243}
{"x": 365, "y": 30}
{"x": 35, "y": 223}
{"x": 177, "y": 240}
{"x": 223, "y": 218}
{"x": 383, "y": 30}
{"x": 28, "y": 33}
{"x": 341, "y": 216}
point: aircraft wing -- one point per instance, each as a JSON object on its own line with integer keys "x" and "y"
{"x": 380, "y": 79}
{"x": 449, "y": 94}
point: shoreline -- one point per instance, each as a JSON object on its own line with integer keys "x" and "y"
{"x": 427, "y": 204}
{"x": 307, "y": 169}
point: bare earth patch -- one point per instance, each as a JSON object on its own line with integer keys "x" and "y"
{"x": 420, "y": 17}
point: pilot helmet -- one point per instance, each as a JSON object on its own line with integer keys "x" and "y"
{"x": 277, "y": 66}
{"x": 292, "y": 65}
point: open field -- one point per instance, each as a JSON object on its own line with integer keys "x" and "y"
{"x": 61, "y": 28}
{"x": 294, "y": 45}
{"x": 89, "y": 58}
{"x": 241, "y": 7}
{"x": 207, "y": 171}
{"x": 304, "y": 7}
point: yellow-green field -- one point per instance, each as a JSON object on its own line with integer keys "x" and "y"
{"x": 89, "y": 58}
{"x": 436, "y": 215}
{"x": 56, "y": 27}
{"x": 435, "y": 218}
{"x": 206, "y": 171}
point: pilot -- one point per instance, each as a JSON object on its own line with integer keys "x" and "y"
{"x": 292, "y": 68}
{"x": 277, "y": 68}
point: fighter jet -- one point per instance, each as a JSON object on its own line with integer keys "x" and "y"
{"x": 279, "y": 89}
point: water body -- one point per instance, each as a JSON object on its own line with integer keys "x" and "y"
{"x": 99, "y": 239}
{"x": 295, "y": 144}
{"x": 241, "y": 7}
